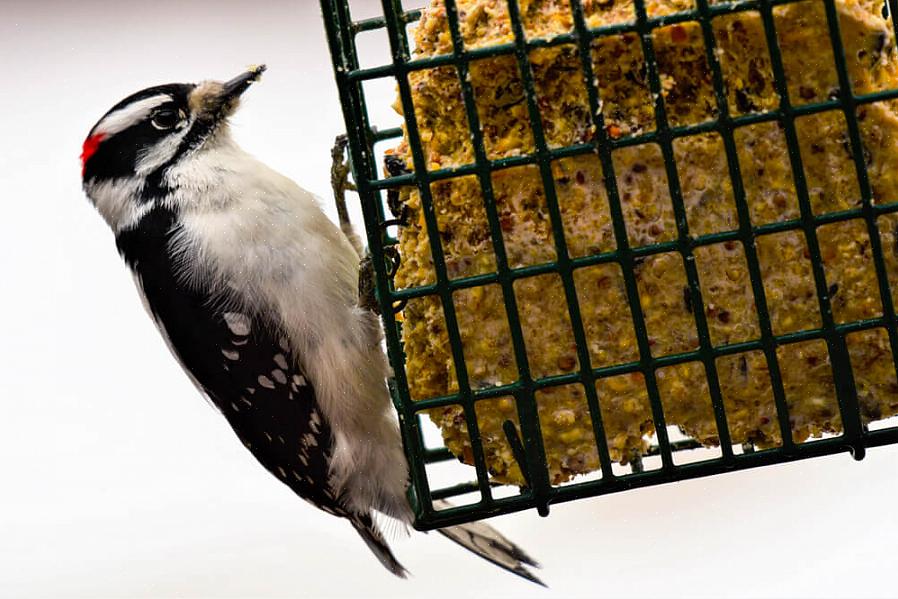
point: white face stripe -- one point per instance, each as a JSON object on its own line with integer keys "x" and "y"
{"x": 155, "y": 156}
{"x": 131, "y": 114}
{"x": 114, "y": 200}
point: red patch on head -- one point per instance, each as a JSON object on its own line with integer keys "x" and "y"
{"x": 89, "y": 149}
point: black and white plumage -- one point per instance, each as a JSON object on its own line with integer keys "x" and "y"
{"x": 255, "y": 291}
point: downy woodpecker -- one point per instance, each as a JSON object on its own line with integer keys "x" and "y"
{"x": 255, "y": 291}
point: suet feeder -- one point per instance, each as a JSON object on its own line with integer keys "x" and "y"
{"x": 605, "y": 223}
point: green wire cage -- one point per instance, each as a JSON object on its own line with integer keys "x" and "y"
{"x": 526, "y": 442}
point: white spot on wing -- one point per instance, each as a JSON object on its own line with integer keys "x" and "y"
{"x": 266, "y": 382}
{"x": 299, "y": 380}
{"x": 279, "y": 376}
{"x": 237, "y": 323}
{"x": 231, "y": 354}
{"x": 281, "y": 361}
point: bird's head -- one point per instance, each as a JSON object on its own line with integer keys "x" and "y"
{"x": 152, "y": 130}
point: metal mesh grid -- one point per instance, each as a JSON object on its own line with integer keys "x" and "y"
{"x": 529, "y": 452}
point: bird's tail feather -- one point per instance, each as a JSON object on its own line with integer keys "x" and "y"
{"x": 488, "y": 543}
{"x": 367, "y": 529}
{"x": 477, "y": 537}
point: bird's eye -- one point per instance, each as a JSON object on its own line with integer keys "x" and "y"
{"x": 165, "y": 119}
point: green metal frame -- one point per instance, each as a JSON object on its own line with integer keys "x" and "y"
{"x": 539, "y": 493}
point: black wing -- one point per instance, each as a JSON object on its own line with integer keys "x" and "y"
{"x": 240, "y": 361}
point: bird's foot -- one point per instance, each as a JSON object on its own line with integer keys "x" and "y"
{"x": 367, "y": 295}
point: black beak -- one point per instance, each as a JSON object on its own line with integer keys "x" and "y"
{"x": 239, "y": 84}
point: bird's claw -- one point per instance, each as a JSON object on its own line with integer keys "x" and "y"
{"x": 367, "y": 295}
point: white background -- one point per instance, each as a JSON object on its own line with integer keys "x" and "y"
{"x": 118, "y": 480}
